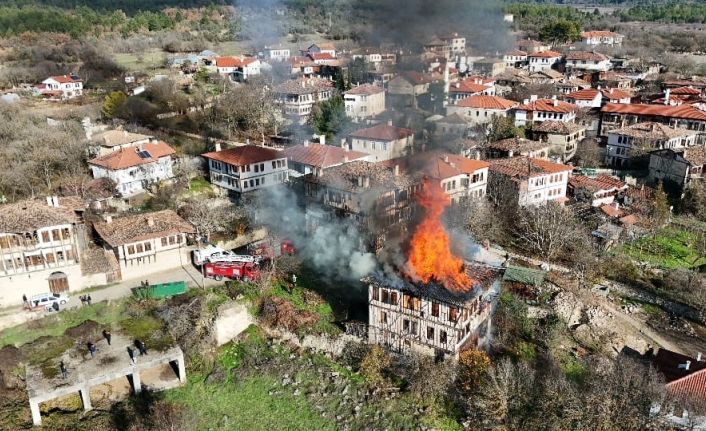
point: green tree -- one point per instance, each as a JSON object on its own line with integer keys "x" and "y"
{"x": 112, "y": 103}
{"x": 561, "y": 31}
{"x": 659, "y": 213}
{"x": 329, "y": 117}
{"x": 502, "y": 128}
{"x": 358, "y": 72}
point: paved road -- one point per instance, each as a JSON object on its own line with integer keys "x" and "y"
{"x": 16, "y": 315}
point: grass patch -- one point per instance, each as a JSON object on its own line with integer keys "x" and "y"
{"x": 306, "y": 300}
{"x": 670, "y": 248}
{"x": 56, "y": 324}
{"x": 149, "y": 329}
{"x": 152, "y": 59}
{"x": 199, "y": 185}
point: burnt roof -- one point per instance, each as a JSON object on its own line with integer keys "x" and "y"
{"x": 483, "y": 277}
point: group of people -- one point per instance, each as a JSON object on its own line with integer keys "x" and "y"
{"x": 85, "y": 299}
{"x": 140, "y": 347}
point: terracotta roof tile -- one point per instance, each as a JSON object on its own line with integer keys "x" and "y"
{"x": 322, "y": 156}
{"x": 599, "y": 33}
{"x": 487, "y": 102}
{"x": 611, "y": 211}
{"x": 115, "y": 138}
{"x": 601, "y": 182}
{"x": 139, "y": 227}
{"x": 304, "y": 86}
{"x": 365, "y": 89}
{"x": 548, "y": 105}
{"x": 651, "y": 130}
{"x": 65, "y": 79}
{"x": 346, "y": 177}
{"x": 382, "y": 132}
{"x": 685, "y": 91}
{"x": 32, "y": 214}
{"x": 518, "y": 144}
{"x": 615, "y": 94}
{"x": 686, "y": 112}
{"x": 558, "y": 127}
{"x": 131, "y": 156}
{"x": 234, "y": 61}
{"x": 437, "y": 164}
{"x": 417, "y": 78}
{"x": 523, "y": 168}
{"x": 244, "y": 155}
{"x": 517, "y": 53}
{"x": 586, "y": 56}
{"x": 545, "y": 54}
{"x": 587, "y": 94}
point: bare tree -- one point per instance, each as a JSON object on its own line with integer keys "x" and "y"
{"x": 546, "y": 229}
{"x": 210, "y": 215}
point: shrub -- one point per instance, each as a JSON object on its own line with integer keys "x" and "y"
{"x": 374, "y": 366}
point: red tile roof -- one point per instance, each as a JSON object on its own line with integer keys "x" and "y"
{"x": 686, "y": 112}
{"x": 611, "y": 211}
{"x": 615, "y": 94}
{"x": 321, "y": 56}
{"x": 687, "y": 91}
{"x": 487, "y": 102}
{"x": 244, "y": 155}
{"x": 141, "y": 227}
{"x": 546, "y": 54}
{"x": 234, "y": 61}
{"x": 129, "y": 157}
{"x": 365, "y": 89}
{"x": 382, "y": 132}
{"x": 467, "y": 86}
{"x": 417, "y": 78}
{"x": 526, "y": 167}
{"x": 65, "y": 79}
{"x": 517, "y": 53}
{"x": 548, "y": 105}
{"x": 587, "y": 94}
{"x": 322, "y": 156}
{"x": 438, "y": 165}
{"x": 680, "y": 381}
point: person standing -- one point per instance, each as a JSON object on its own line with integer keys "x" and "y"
{"x": 64, "y": 371}
{"x": 88, "y": 299}
{"x": 92, "y": 349}
{"x": 142, "y": 347}
{"x": 133, "y": 356}
{"x": 25, "y": 302}
{"x": 107, "y": 335}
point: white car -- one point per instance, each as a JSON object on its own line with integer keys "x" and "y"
{"x": 216, "y": 254}
{"x": 47, "y": 300}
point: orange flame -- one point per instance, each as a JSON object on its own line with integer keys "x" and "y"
{"x": 430, "y": 257}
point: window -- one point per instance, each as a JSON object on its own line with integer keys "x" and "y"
{"x": 148, "y": 246}
{"x": 66, "y": 233}
{"x": 442, "y": 336}
{"x": 130, "y": 249}
{"x": 49, "y": 258}
{"x": 262, "y": 167}
{"x": 405, "y": 325}
{"x": 453, "y": 314}
{"x": 383, "y": 317}
{"x": 274, "y": 164}
{"x": 45, "y": 236}
{"x": 430, "y": 333}
{"x": 376, "y": 293}
{"x": 257, "y": 168}
{"x": 164, "y": 241}
{"x": 385, "y": 296}
{"x": 179, "y": 239}
{"x": 393, "y": 298}
{"x": 172, "y": 240}
{"x": 139, "y": 248}
{"x": 435, "y": 309}
{"x": 55, "y": 235}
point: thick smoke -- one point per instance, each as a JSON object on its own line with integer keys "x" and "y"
{"x": 333, "y": 246}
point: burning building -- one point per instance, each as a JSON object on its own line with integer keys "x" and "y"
{"x": 435, "y": 302}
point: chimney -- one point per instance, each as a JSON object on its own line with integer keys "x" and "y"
{"x": 687, "y": 365}
{"x": 306, "y": 142}
{"x": 322, "y": 139}
{"x": 698, "y": 357}
{"x": 666, "y": 96}
{"x": 218, "y": 146}
{"x": 360, "y": 181}
{"x": 389, "y": 122}
{"x": 50, "y": 202}
{"x": 303, "y": 84}
{"x": 55, "y": 201}
{"x": 525, "y": 101}
{"x": 396, "y": 170}
{"x": 533, "y": 98}
{"x": 555, "y": 102}
{"x": 366, "y": 182}
{"x": 446, "y": 159}
{"x": 150, "y": 221}
{"x": 109, "y": 219}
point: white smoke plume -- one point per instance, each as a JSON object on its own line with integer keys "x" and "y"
{"x": 334, "y": 246}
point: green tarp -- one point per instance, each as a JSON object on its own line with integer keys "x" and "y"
{"x": 520, "y": 274}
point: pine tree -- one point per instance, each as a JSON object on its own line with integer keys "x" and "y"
{"x": 112, "y": 103}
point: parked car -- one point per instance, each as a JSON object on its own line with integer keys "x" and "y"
{"x": 47, "y": 300}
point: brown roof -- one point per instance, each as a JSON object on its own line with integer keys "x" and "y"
{"x": 321, "y": 56}
{"x": 686, "y": 112}
{"x": 366, "y": 89}
{"x": 615, "y": 94}
{"x": 586, "y": 56}
{"x": 382, "y": 132}
{"x": 438, "y": 165}
{"x": 651, "y": 130}
{"x": 487, "y": 102}
{"x": 612, "y": 211}
{"x": 687, "y": 91}
{"x": 467, "y": 86}
{"x": 545, "y": 54}
{"x": 587, "y": 94}
{"x": 115, "y": 138}
{"x": 417, "y": 78}
{"x": 133, "y": 228}
{"x": 523, "y": 168}
{"x": 516, "y": 53}
{"x": 244, "y": 155}
{"x": 346, "y": 176}
{"x": 134, "y": 156}
{"x": 599, "y": 33}
{"x": 601, "y": 182}
{"x": 32, "y": 214}
{"x": 322, "y": 156}
{"x": 65, "y": 79}
{"x": 518, "y": 144}
{"x": 558, "y": 127}
{"x": 304, "y": 86}
{"x": 548, "y": 105}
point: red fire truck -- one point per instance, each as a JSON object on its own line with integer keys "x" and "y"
{"x": 266, "y": 250}
{"x": 246, "y": 271}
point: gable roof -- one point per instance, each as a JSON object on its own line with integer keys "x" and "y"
{"x": 652, "y": 130}
{"x": 548, "y": 105}
{"x": 321, "y": 156}
{"x": 304, "y": 86}
{"x": 686, "y": 112}
{"x": 32, "y": 214}
{"x": 615, "y": 94}
{"x": 468, "y": 86}
{"x": 321, "y": 56}
{"x": 382, "y": 132}
{"x": 545, "y": 54}
{"x": 115, "y": 138}
{"x": 487, "y": 102}
{"x": 523, "y": 168}
{"x": 518, "y": 144}
{"x": 234, "y": 61}
{"x": 244, "y": 155}
{"x": 128, "y": 157}
{"x": 587, "y": 94}
{"x": 65, "y": 79}
{"x": 416, "y": 78}
{"x": 365, "y": 89}
{"x": 686, "y": 91}
{"x": 585, "y": 56}
{"x": 599, "y": 33}
{"x": 601, "y": 182}
{"x": 516, "y": 53}
{"x": 454, "y": 118}
{"x": 558, "y": 127}
{"x": 436, "y": 164}
{"x": 140, "y": 227}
